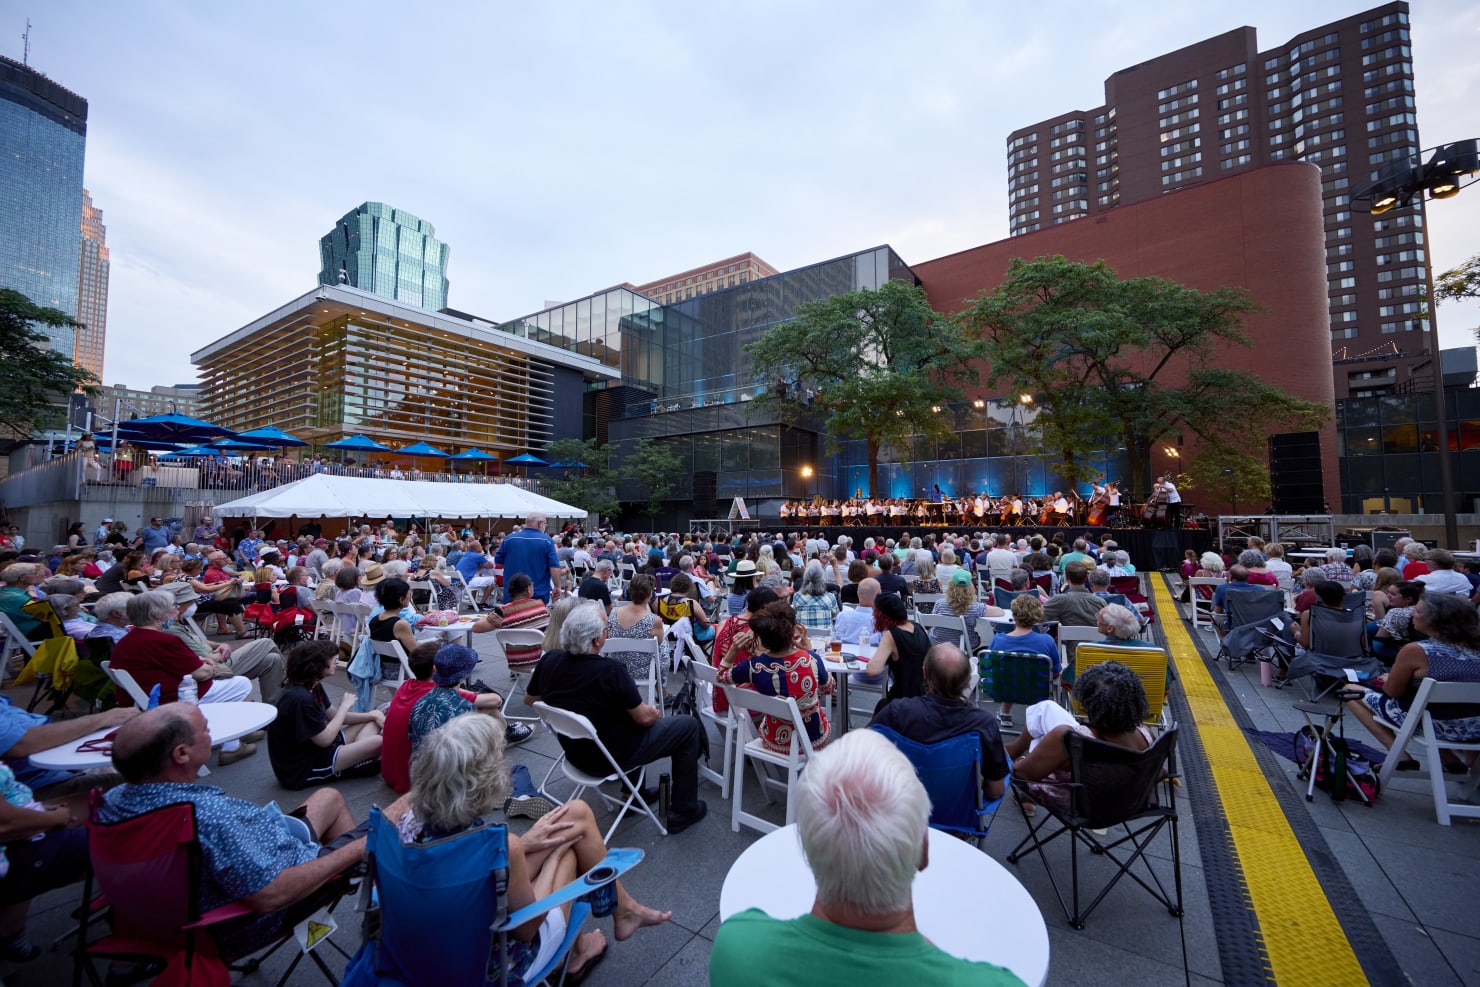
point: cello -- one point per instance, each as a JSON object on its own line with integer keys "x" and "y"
{"x": 1099, "y": 506}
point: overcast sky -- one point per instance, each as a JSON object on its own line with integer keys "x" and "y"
{"x": 563, "y": 148}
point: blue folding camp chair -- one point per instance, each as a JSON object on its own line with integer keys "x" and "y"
{"x": 436, "y": 913}
{"x": 951, "y": 772}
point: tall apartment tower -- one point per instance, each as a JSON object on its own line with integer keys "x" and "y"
{"x": 1340, "y": 96}
{"x": 43, "y": 136}
{"x": 389, "y": 252}
{"x": 92, "y": 290}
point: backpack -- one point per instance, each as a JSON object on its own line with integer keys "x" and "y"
{"x": 1340, "y": 771}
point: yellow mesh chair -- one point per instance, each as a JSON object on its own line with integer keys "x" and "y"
{"x": 1150, "y": 664}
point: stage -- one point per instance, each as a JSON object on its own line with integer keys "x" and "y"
{"x": 1149, "y": 548}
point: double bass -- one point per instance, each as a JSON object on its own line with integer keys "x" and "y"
{"x": 1099, "y": 506}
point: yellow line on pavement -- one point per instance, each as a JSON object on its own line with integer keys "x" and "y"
{"x": 1302, "y": 937}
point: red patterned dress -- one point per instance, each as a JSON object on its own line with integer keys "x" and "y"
{"x": 800, "y": 676}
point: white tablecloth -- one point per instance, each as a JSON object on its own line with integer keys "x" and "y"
{"x": 227, "y": 721}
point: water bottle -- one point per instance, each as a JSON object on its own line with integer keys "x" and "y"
{"x": 664, "y": 784}
{"x": 188, "y": 692}
{"x": 154, "y": 696}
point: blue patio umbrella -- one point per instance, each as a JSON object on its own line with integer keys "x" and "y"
{"x": 528, "y": 459}
{"x": 422, "y": 449}
{"x": 194, "y": 452}
{"x": 272, "y": 436}
{"x": 475, "y": 455}
{"x": 359, "y": 443}
{"x": 239, "y": 445}
{"x": 171, "y": 428}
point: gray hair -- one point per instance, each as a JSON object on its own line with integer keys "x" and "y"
{"x": 1414, "y": 551}
{"x": 925, "y": 565}
{"x": 63, "y": 604}
{"x": 604, "y": 565}
{"x": 813, "y": 582}
{"x": 558, "y": 612}
{"x": 1099, "y": 577}
{"x": 111, "y": 604}
{"x": 150, "y": 607}
{"x": 1019, "y": 578}
{"x": 331, "y": 568}
{"x": 1332, "y": 555}
{"x": 1122, "y": 623}
{"x": 1249, "y": 557}
{"x": 459, "y": 773}
{"x": 583, "y": 626}
{"x": 63, "y": 585}
{"x": 862, "y": 814}
{"x": 1211, "y": 561}
{"x": 1310, "y": 577}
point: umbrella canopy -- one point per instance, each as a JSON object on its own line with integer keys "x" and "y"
{"x": 271, "y": 436}
{"x": 473, "y": 455}
{"x": 171, "y": 428}
{"x": 239, "y": 444}
{"x": 359, "y": 442}
{"x": 528, "y": 459}
{"x": 421, "y": 449}
{"x": 194, "y": 452}
{"x": 573, "y": 465}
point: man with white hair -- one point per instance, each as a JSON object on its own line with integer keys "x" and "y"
{"x": 576, "y": 677}
{"x": 863, "y": 817}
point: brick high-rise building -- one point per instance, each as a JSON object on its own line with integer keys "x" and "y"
{"x": 711, "y": 277}
{"x": 1340, "y": 96}
{"x": 92, "y": 291}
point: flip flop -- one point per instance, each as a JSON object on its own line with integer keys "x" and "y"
{"x": 576, "y": 976}
{"x": 1407, "y": 764}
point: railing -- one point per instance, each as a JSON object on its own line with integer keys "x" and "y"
{"x": 683, "y": 402}
{"x": 68, "y": 478}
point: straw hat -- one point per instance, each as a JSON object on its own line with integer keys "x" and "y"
{"x": 374, "y": 573}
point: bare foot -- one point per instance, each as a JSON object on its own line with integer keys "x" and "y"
{"x": 587, "y": 948}
{"x": 632, "y": 916}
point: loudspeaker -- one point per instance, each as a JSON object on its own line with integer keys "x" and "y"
{"x": 1295, "y": 473}
{"x": 1386, "y": 539}
{"x": 705, "y": 483}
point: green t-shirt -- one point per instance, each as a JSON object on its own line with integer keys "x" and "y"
{"x": 753, "y": 949}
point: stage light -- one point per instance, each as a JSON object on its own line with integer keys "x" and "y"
{"x": 1026, "y": 398}
{"x": 1445, "y": 189}
{"x": 807, "y": 472}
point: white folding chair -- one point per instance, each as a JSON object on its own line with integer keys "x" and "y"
{"x": 392, "y": 649}
{"x": 14, "y": 641}
{"x": 326, "y": 622}
{"x": 1431, "y": 692}
{"x": 517, "y": 637}
{"x": 360, "y": 615}
{"x": 465, "y": 598}
{"x": 927, "y": 600}
{"x": 647, "y": 646}
{"x": 1202, "y": 610}
{"x": 574, "y": 726}
{"x": 745, "y": 701}
{"x": 123, "y": 680}
{"x": 419, "y": 586}
{"x": 707, "y": 677}
{"x": 1070, "y": 636}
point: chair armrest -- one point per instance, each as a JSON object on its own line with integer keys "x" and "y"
{"x": 616, "y": 863}
{"x": 218, "y": 915}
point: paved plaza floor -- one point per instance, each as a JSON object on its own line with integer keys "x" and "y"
{"x": 1383, "y": 893}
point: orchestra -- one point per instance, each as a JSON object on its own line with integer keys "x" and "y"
{"x": 1102, "y": 508}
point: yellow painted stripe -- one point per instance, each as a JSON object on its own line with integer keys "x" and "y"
{"x": 1302, "y": 938}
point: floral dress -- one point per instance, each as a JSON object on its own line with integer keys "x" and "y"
{"x": 1447, "y": 663}
{"x": 800, "y": 676}
{"x": 636, "y": 661}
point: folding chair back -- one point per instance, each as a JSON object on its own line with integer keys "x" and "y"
{"x": 794, "y": 760}
{"x": 1111, "y": 784}
{"x": 1342, "y": 633}
{"x": 1004, "y": 597}
{"x": 1022, "y": 677}
{"x": 1149, "y": 664}
{"x": 707, "y": 677}
{"x": 123, "y": 680}
{"x": 646, "y": 646}
{"x": 1043, "y": 581}
{"x": 951, "y": 772}
{"x": 953, "y": 625}
{"x": 574, "y": 726}
{"x": 145, "y": 868}
{"x": 1431, "y": 694}
{"x": 1250, "y": 606}
{"x": 1129, "y": 587}
{"x": 925, "y": 603}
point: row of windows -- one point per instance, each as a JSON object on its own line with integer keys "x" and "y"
{"x": 1176, "y": 118}
{"x": 1388, "y": 20}
{"x": 1067, "y": 125}
{"x": 1180, "y": 146}
{"x": 1412, "y": 325}
{"x": 1170, "y": 91}
{"x": 1400, "y": 274}
{"x": 1177, "y": 104}
{"x": 1066, "y": 139}
{"x": 1386, "y": 37}
{"x": 1022, "y": 141}
{"x": 1231, "y": 71}
{"x": 1182, "y": 176}
{"x": 1403, "y": 67}
{"x": 1238, "y": 131}
{"x": 1185, "y": 159}
{"x": 1398, "y": 239}
{"x": 1395, "y": 86}
{"x": 1234, "y": 117}
{"x": 1241, "y": 99}
{"x": 1237, "y": 162}
{"x": 1180, "y": 132}
{"x": 1229, "y": 87}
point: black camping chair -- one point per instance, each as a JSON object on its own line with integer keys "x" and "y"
{"x": 1108, "y": 786}
{"x": 1249, "y": 613}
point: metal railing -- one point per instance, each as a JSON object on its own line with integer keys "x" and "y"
{"x": 52, "y": 480}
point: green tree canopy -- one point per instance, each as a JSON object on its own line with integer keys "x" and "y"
{"x": 34, "y": 379}
{"x": 1459, "y": 283}
{"x": 872, "y": 362}
{"x": 1097, "y": 353}
{"x": 591, "y": 487}
{"x": 656, "y": 469}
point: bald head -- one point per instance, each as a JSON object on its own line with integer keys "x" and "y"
{"x": 162, "y": 744}
{"x": 947, "y": 671}
{"x": 867, "y": 591}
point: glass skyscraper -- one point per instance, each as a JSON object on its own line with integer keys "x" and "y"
{"x": 92, "y": 290}
{"x": 388, "y": 252}
{"x": 43, "y": 135}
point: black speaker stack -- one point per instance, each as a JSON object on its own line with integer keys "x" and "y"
{"x": 1295, "y": 473}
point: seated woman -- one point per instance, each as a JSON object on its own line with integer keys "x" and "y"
{"x": 680, "y": 604}
{"x": 313, "y": 741}
{"x": 927, "y": 577}
{"x": 858, "y": 571}
{"x": 457, "y": 781}
{"x": 1259, "y": 574}
{"x": 1385, "y": 578}
{"x": 744, "y": 582}
{"x": 1027, "y": 612}
{"x": 773, "y": 664}
{"x": 816, "y": 608}
{"x": 1115, "y": 707}
{"x": 1330, "y": 595}
{"x": 41, "y": 848}
{"x": 1451, "y": 654}
{"x": 66, "y": 609}
{"x": 390, "y": 624}
{"x": 635, "y": 620}
{"x": 961, "y": 602}
{"x": 1121, "y": 626}
{"x": 524, "y": 609}
{"x": 448, "y": 594}
{"x": 902, "y": 648}
{"x": 734, "y": 633}
{"x": 1396, "y": 627}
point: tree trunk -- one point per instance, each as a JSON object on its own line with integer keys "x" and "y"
{"x": 873, "y": 468}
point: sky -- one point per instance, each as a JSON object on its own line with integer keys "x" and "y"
{"x": 564, "y": 148}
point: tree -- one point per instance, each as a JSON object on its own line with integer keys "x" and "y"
{"x": 654, "y": 466}
{"x": 1099, "y": 350}
{"x": 589, "y": 487}
{"x": 1460, "y": 282}
{"x": 875, "y": 362}
{"x": 34, "y": 378}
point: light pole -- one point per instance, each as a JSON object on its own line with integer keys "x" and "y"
{"x": 1449, "y": 168}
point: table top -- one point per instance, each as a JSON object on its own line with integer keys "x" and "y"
{"x": 226, "y": 721}
{"x": 772, "y": 874}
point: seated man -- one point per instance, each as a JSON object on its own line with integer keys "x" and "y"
{"x": 860, "y": 619}
{"x": 861, "y": 929}
{"x": 259, "y": 659}
{"x": 395, "y": 750}
{"x": 946, "y": 711}
{"x": 1076, "y": 606}
{"x": 247, "y": 855}
{"x": 597, "y": 585}
{"x": 576, "y": 677}
{"x": 1238, "y": 582}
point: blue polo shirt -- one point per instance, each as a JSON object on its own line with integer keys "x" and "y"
{"x": 532, "y": 553}
{"x": 468, "y": 563}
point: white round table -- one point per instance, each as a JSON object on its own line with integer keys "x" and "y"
{"x": 463, "y": 628}
{"x": 842, "y": 671}
{"x": 226, "y": 721}
{"x": 965, "y": 902}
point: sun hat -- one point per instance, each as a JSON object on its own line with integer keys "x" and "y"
{"x": 453, "y": 663}
{"x": 744, "y": 568}
{"x": 374, "y": 573}
{"x": 184, "y": 593}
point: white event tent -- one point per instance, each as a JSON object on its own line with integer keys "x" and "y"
{"x": 324, "y": 495}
